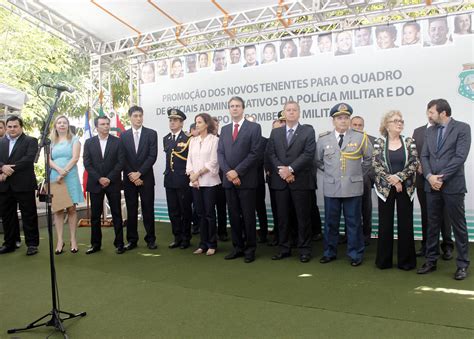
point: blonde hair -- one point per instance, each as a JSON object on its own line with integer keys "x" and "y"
{"x": 384, "y": 122}
{"x": 54, "y": 135}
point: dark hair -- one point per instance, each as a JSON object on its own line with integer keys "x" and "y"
{"x": 2, "y": 123}
{"x": 441, "y": 105}
{"x": 357, "y": 117}
{"x": 192, "y": 126}
{"x": 215, "y": 119}
{"x": 211, "y": 126}
{"x": 237, "y": 98}
{"x": 15, "y": 118}
{"x": 103, "y": 117}
{"x": 175, "y": 60}
{"x": 235, "y": 48}
{"x": 294, "y": 52}
{"x": 215, "y": 52}
{"x": 390, "y": 29}
{"x": 134, "y": 109}
{"x": 246, "y": 48}
{"x": 412, "y": 23}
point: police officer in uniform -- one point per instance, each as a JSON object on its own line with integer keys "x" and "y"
{"x": 344, "y": 155}
{"x": 176, "y": 182}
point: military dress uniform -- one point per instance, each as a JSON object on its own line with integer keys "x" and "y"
{"x": 176, "y": 182}
{"x": 343, "y": 185}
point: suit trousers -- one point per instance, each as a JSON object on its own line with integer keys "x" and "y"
{"x": 406, "y": 257}
{"x": 147, "y": 198}
{"x": 205, "y": 200}
{"x": 316, "y": 225}
{"x": 97, "y": 204}
{"x": 437, "y": 203}
{"x": 241, "y": 206}
{"x": 179, "y": 201}
{"x": 262, "y": 211}
{"x": 300, "y": 201}
{"x": 275, "y": 215}
{"x": 26, "y": 201}
{"x": 445, "y": 227}
{"x": 351, "y": 207}
{"x": 221, "y": 211}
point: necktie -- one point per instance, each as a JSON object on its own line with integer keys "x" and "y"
{"x": 136, "y": 138}
{"x": 236, "y": 132}
{"x": 440, "y": 136}
{"x": 174, "y": 138}
{"x": 289, "y": 136}
{"x": 341, "y": 139}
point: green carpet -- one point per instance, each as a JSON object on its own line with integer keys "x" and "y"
{"x": 175, "y": 294}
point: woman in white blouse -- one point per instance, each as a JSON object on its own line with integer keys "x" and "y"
{"x": 203, "y": 171}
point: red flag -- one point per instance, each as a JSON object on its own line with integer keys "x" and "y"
{"x": 119, "y": 128}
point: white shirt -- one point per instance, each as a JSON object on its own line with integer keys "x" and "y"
{"x": 103, "y": 144}
{"x": 11, "y": 143}
{"x": 238, "y": 122}
{"x": 139, "y": 134}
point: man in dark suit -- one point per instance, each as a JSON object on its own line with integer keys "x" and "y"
{"x": 237, "y": 153}
{"x": 220, "y": 201}
{"x": 103, "y": 160}
{"x": 178, "y": 192}
{"x": 291, "y": 151}
{"x": 358, "y": 124}
{"x": 18, "y": 185}
{"x": 443, "y": 156}
{"x": 447, "y": 245}
{"x": 140, "y": 148}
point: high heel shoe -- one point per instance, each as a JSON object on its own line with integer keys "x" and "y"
{"x": 211, "y": 251}
{"x": 58, "y": 252}
{"x": 74, "y": 250}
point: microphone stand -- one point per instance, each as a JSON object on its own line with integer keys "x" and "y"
{"x": 56, "y": 321}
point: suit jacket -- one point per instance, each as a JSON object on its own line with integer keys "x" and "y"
{"x": 176, "y": 156}
{"x": 240, "y": 155}
{"x": 380, "y": 163}
{"x": 419, "y": 136}
{"x": 142, "y": 160}
{"x": 344, "y": 167}
{"x": 299, "y": 154}
{"x": 450, "y": 158}
{"x": 261, "y": 161}
{"x": 23, "y": 157}
{"x": 109, "y": 166}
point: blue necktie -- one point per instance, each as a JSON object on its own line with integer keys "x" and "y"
{"x": 440, "y": 137}
{"x": 289, "y": 136}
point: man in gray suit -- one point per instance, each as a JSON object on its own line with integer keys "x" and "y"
{"x": 344, "y": 155}
{"x": 443, "y": 156}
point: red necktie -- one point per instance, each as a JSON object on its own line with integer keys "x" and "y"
{"x": 236, "y": 132}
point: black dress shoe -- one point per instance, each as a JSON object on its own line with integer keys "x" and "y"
{"x": 249, "y": 259}
{"x": 448, "y": 255}
{"x": 174, "y": 244}
{"x": 461, "y": 273}
{"x": 93, "y": 250}
{"x": 305, "y": 258}
{"x": 130, "y": 246}
{"x": 280, "y": 256}
{"x": 325, "y": 260}
{"x": 152, "y": 245}
{"x": 32, "y": 250}
{"x": 120, "y": 250}
{"x": 356, "y": 262}
{"x": 427, "y": 267}
{"x": 233, "y": 255}
{"x": 6, "y": 249}
{"x": 184, "y": 245}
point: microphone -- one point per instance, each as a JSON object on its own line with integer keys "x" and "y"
{"x": 60, "y": 88}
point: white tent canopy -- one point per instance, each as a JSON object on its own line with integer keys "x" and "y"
{"x": 12, "y": 98}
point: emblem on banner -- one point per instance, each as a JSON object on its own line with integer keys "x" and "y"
{"x": 466, "y": 81}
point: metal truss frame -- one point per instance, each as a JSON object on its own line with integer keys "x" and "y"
{"x": 292, "y": 19}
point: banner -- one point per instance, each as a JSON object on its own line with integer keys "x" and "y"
{"x": 372, "y": 69}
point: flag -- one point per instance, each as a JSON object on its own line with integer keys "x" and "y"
{"x": 101, "y": 111}
{"x": 119, "y": 127}
{"x": 87, "y": 135}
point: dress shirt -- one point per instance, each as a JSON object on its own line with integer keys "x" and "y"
{"x": 203, "y": 154}
{"x": 103, "y": 144}
{"x": 12, "y": 143}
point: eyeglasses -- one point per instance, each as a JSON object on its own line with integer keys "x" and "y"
{"x": 397, "y": 121}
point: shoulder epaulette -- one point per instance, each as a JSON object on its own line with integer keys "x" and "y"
{"x": 324, "y": 134}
